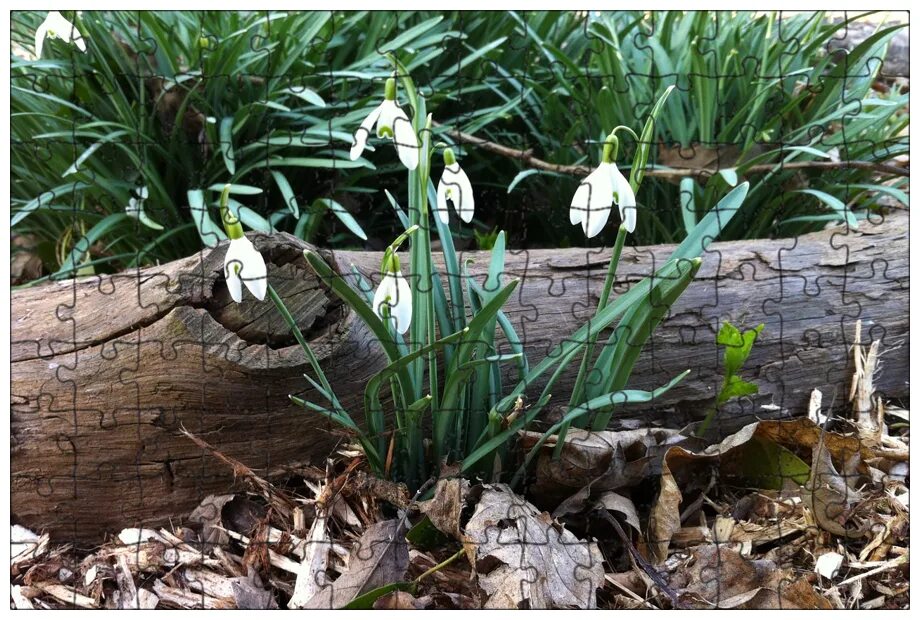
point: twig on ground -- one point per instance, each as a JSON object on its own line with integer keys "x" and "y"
{"x": 527, "y": 158}
{"x": 904, "y": 559}
{"x": 653, "y": 574}
{"x": 278, "y": 500}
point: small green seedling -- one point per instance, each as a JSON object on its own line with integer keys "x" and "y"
{"x": 738, "y": 346}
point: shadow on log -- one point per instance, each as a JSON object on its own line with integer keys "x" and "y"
{"x": 106, "y": 369}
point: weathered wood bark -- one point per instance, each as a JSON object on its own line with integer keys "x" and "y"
{"x": 105, "y": 370}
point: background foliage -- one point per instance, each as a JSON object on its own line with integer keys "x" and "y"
{"x": 181, "y": 102}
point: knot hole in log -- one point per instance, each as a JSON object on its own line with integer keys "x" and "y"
{"x": 314, "y": 307}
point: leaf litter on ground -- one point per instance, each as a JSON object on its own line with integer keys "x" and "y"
{"x": 781, "y": 514}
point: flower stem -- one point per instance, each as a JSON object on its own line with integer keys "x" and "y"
{"x": 443, "y": 564}
{"x": 308, "y": 351}
{"x": 578, "y": 390}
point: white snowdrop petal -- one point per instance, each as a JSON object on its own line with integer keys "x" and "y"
{"x": 600, "y": 200}
{"x": 626, "y": 198}
{"x": 57, "y": 26}
{"x": 388, "y": 112}
{"x": 40, "y": 33}
{"x": 579, "y": 204}
{"x": 244, "y": 264}
{"x": 254, "y": 274}
{"x": 441, "y": 203}
{"x": 629, "y": 217}
{"x": 381, "y": 296}
{"x": 406, "y": 140}
{"x": 363, "y": 132}
{"x": 403, "y": 310}
{"x": 465, "y": 204}
{"x": 234, "y": 284}
{"x": 394, "y": 294}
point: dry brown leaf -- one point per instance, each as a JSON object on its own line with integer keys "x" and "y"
{"x": 380, "y": 557}
{"x": 398, "y": 600}
{"x": 208, "y": 514}
{"x": 664, "y": 519}
{"x": 257, "y": 551}
{"x": 603, "y": 461}
{"x": 828, "y": 495}
{"x": 615, "y": 502}
{"x": 444, "y": 508}
{"x": 685, "y": 467}
{"x": 801, "y": 595}
{"x": 716, "y": 576}
{"x": 525, "y": 559}
{"x": 25, "y": 263}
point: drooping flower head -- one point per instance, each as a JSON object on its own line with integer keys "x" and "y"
{"x": 136, "y": 210}
{"x": 393, "y": 298}
{"x": 392, "y": 123}
{"x": 58, "y": 27}
{"x": 242, "y": 264}
{"x": 454, "y": 186}
{"x": 602, "y": 188}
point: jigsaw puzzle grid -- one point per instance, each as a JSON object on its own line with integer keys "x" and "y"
{"x": 69, "y": 351}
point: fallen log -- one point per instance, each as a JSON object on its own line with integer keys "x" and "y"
{"x": 106, "y": 369}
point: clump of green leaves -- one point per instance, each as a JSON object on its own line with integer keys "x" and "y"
{"x": 486, "y": 240}
{"x": 738, "y": 347}
{"x": 177, "y": 101}
{"x": 455, "y": 320}
{"x": 759, "y": 85}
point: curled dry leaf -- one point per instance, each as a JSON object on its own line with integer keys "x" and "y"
{"x": 208, "y": 515}
{"x": 716, "y": 576}
{"x": 380, "y": 557}
{"x": 602, "y": 460}
{"x": 525, "y": 559}
{"x": 444, "y": 508}
{"x": 664, "y": 520}
{"x": 736, "y": 458}
{"x": 829, "y": 496}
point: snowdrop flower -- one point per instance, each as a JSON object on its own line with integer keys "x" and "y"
{"x": 391, "y": 123}
{"x": 599, "y": 191}
{"x": 242, "y": 264}
{"x": 135, "y": 209}
{"x": 57, "y": 26}
{"x": 393, "y": 299}
{"x": 455, "y": 186}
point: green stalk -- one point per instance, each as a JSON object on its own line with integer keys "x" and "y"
{"x": 420, "y": 261}
{"x": 308, "y": 351}
{"x": 425, "y": 165}
{"x": 579, "y": 389}
{"x": 438, "y": 567}
{"x": 710, "y": 416}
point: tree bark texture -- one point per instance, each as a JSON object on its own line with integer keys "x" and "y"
{"x": 107, "y": 369}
